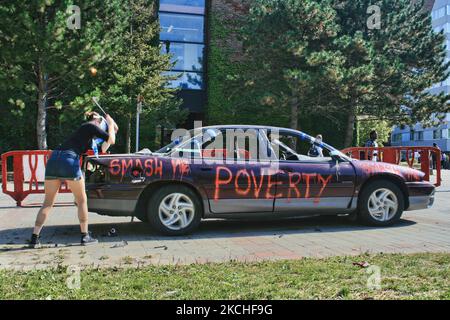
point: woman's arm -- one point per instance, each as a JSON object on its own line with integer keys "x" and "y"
{"x": 105, "y": 146}
{"x": 112, "y": 129}
{"x": 116, "y": 127}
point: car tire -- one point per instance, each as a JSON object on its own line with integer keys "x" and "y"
{"x": 381, "y": 203}
{"x": 174, "y": 210}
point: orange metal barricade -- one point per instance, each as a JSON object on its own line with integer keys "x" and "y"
{"x": 394, "y": 155}
{"x": 28, "y": 168}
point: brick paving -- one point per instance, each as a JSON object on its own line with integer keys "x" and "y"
{"x": 216, "y": 240}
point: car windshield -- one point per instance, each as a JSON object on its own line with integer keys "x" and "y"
{"x": 295, "y": 145}
{"x": 333, "y": 151}
{"x": 176, "y": 142}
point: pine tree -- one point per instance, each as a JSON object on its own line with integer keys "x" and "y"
{"x": 405, "y": 58}
{"x": 325, "y": 57}
{"x": 287, "y": 48}
{"x": 43, "y": 61}
{"x": 136, "y": 72}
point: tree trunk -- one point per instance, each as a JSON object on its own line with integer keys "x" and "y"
{"x": 294, "y": 119}
{"x": 128, "y": 135}
{"x": 350, "y": 126}
{"x": 42, "y": 111}
{"x": 294, "y": 113}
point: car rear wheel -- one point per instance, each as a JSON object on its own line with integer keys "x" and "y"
{"x": 381, "y": 203}
{"x": 174, "y": 210}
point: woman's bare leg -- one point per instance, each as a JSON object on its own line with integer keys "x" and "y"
{"x": 77, "y": 188}
{"x": 51, "y": 190}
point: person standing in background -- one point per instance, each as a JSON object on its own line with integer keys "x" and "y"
{"x": 316, "y": 150}
{"x": 434, "y": 156}
{"x": 372, "y": 143}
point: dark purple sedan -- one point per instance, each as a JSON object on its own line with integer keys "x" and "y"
{"x": 242, "y": 171}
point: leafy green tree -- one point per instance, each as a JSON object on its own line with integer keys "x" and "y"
{"x": 46, "y": 55}
{"x": 135, "y": 73}
{"x": 403, "y": 59}
{"x": 325, "y": 58}
{"x": 50, "y": 67}
{"x": 287, "y": 46}
{"x": 365, "y": 125}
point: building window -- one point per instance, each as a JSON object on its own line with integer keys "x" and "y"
{"x": 412, "y": 135}
{"x": 185, "y": 6}
{"x": 419, "y": 135}
{"x": 437, "y": 134}
{"x": 439, "y": 13}
{"x": 182, "y": 35}
{"x": 397, "y": 137}
{"x": 186, "y": 80}
{"x": 185, "y": 56}
{"x": 181, "y": 27}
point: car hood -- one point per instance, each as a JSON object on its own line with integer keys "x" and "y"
{"x": 368, "y": 168}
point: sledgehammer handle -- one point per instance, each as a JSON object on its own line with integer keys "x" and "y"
{"x": 98, "y": 105}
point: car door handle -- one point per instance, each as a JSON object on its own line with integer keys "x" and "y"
{"x": 206, "y": 169}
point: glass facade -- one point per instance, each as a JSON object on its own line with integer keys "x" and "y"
{"x": 181, "y": 27}
{"x": 186, "y": 56}
{"x": 183, "y": 6}
{"x": 186, "y": 80}
{"x": 437, "y": 134}
{"x": 183, "y": 36}
{"x": 420, "y": 136}
{"x": 440, "y": 16}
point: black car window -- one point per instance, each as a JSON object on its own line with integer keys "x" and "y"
{"x": 294, "y": 147}
{"x": 221, "y": 144}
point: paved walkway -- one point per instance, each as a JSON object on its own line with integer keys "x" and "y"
{"x": 216, "y": 240}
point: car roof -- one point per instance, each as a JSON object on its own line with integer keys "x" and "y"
{"x": 247, "y": 126}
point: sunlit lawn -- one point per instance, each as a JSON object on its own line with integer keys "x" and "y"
{"x": 416, "y": 276}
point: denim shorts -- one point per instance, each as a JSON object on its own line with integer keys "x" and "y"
{"x": 63, "y": 165}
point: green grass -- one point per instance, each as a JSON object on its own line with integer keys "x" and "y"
{"x": 416, "y": 276}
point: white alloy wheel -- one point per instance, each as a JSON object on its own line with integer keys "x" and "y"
{"x": 176, "y": 211}
{"x": 382, "y": 204}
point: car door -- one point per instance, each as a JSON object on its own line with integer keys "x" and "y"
{"x": 234, "y": 178}
{"x": 306, "y": 186}
{"x": 314, "y": 185}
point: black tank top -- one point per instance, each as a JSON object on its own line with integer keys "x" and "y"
{"x": 81, "y": 139}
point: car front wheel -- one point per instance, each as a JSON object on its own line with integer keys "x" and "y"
{"x": 381, "y": 203}
{"x": 174, "y": 210}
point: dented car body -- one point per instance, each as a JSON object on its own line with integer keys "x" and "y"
{"x": 193, "y": 178}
